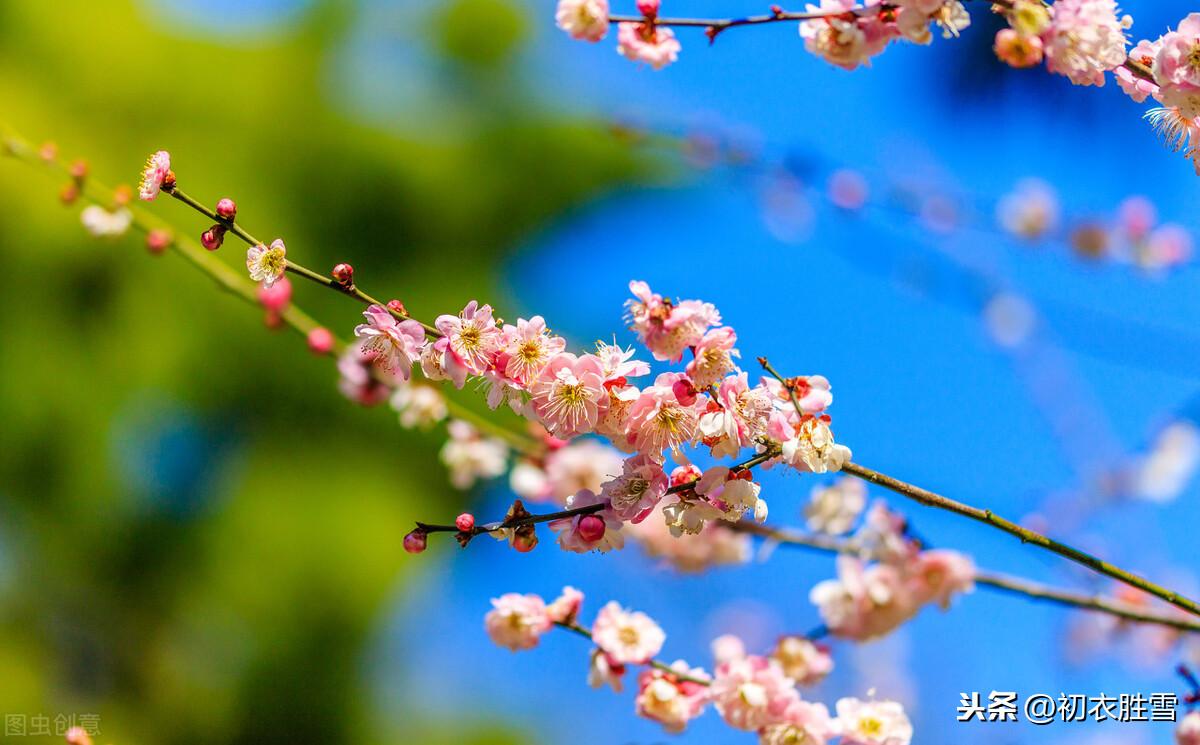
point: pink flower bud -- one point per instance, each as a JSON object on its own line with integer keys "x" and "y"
{"x": 685, "y": 392}
{"x": 415, "y": 542}
{"x": 524, "y": 541}
{"x": 277, "y": 296}
{"x": 79, "y": 170}
{"x": 122, "y": 195}
{"x": 396, "y": 306}
{"x": 648, "y": 8}
{"x": 226, "y": 209}
{"x": 213, "y": 237}
{"x": 465, "y": 521}
{"x": 48, "y": 151}
{"x": 591, "y": 528}
{"x": 78, "y": 736}
{"x": 69, "y": 193}
{"x": 344, "y": 274}
{"x": 320, "y": 341}
{"x": 157, "y": 241}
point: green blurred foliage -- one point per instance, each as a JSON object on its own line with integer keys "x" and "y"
{"x": 236, "y": 606}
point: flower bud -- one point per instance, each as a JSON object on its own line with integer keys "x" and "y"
{"x": 465, "y": 521}
{"x": 157, "y": 241}
{"x": 591, "y": 528}
{"x": 78, "y": 736}
{"x": 123, "y": 195}
{"x": 396, "y": 306}
{"x": 685, "y": 391}
{"x": 276, "y": 297}
{"x": 69, "y": 193}
{"x": 344, "y": 274}
{"x": 524, "y": 539}
{"x": 226, "y": 209}
{"x": 415, "y": 542}
{"x": 78, "y": 170}
{"x": 648, "y": 8}
{"x": 48, "y": 151}
{"x": 213, "y": 237}
{"x": 320, "y": 341}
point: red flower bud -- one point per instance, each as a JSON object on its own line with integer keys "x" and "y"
{"x": 213, "y": 237}
{"x": 157, "y": 241}
{"x": 226, "y": 209}
{"x": 396, "y": 306}
{"x": 591, "y": 528}
{"x": 465, "y": 521}
{"x": 343, "y": 274}
{"x": 320, "y": 341}
{"x": 415, "y": 542}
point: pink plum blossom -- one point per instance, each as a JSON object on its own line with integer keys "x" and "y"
{"x": 813, "y": 449}
{"x": 713, "y": 545}
{"x": 1019, "y": 50}
{"x": 835, "y": 508}
{"x": 668, "y": 328}
{"x": 594, "y": 531}
{"x": 713, "y": 358}
{"x": 355, "y": 380}
{"x": 667, "y": 699}
{"x": 939, "y": 574}
{"x": 470, "y": 457}
{"x": 872, "y": 723}
{"x": 863, "y": 603}
{"x": 804, "y": 661}
{"x": 267, "y": 264}
{"x": 418, "y": 405}
{"x": 1135, "y": 86}
{"x": 154, "y": 175}
{"x": 569, "y": 396}
{"x": 658, "y": 421}
{"x": 736, "y": 417}
{"x": 527, "y": 350}
{"x": 627, "y": 637}
{"x": 602, "y": 671}
{"x": 647, "y": 42}
{"x": 751, "y": 692}
{"x": 472, "y": 341}
{"x": 566, "y": 606}
{"x": 802, "y": 723}
{"x": 1175, "y": 63}
{"x": 395, "y": 344}
{"x": 1085, "y": 40}
{"x": 517, "y": 621}
{"x": 841, "y": 41}
{"x": 731, "y": 492}
{"x": 583, "y": 19}
{"x": 639, "y": 488}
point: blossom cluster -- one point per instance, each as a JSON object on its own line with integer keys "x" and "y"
{"x": 751, "y": 693}
{"x": 711, "y": 404}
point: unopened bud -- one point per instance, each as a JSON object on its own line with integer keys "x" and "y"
{"x": 226, "y": 209}
{"x": 213, "y": 237}
{"x": 344, "y": 274}
{"x": 415, "y": 542}
{"x": 69, "y": 193}
{"x": 685, "y": 391}
{"x": 157, "y": 241}
{"x": 591, "y": 528}
{"x": 465, "y": 521}
{"x": 123, "y": 195}
{"x": 78, "y": 170}
{"x": 524, "y": 539}
{"x": 396, "y": 306}
{"x": 320, "y": 341}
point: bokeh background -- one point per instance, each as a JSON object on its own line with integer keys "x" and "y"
{"x": 200, "y": 539}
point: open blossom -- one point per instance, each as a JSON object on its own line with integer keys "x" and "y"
{"x": 355, "y": 380}
{"x": 566, "y": 606}
{"x": 1085, "y": 40}
{"x": 940, "y": 574}
{"x": 737, "y": 416}
{"x": 713, "y": 545}
{"x": 602, "y": 671}
{"x": 751, "y": 692}
{"x": 690, "y": 517}
{"x": 640, "y": 487}
{"x": 627, "y": 637}
{"x": 834, "y": 509}
{"x": 813, "y": 448}
{"x": 841, "y": 41}
{"x": 104, "y": 223}
{"x": 617, "y": 363}
{"x": 155, "y": 174}
{"x": 1188, "y": 732}
{"x": 884, "y": 536}
{"x": 1176, "y": 58}
{"x": 472, "y": 341}
{"x": 668, "y": 700}
{"x": 804, "y": 661}
{"x": 873, "y": 723}
{"x": 583, "y": 19}
{"x": 267, "y": 264}
{"x": 595, "y": 531}
{"x": 802, "y": 723}
{"x": 528, "y": 348}
{"x": 713, "y": 357}
{"x": 863, "y": 603}
{"x": 395, "y": 344}
{"x": 914, "y": 17}
{"x": 471, "y": 457}
{"x": 658, "y": 421}
{"x": 731, "y": 492}
{"x": 583, "y": 464}
{"x": 668, "y": 328}
{"x": 517, "y": 621}
{"x": 1030, "y": 211}
{"x": 813, "y": 392}
{"x": 1018, "y": 50}
{"x": 419, "y": 405}
{"x": 569, "y": 396}
{"x": 647, "y": 42}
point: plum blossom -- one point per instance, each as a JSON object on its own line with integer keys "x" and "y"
{"x": 873, "y": 723}
{"x": 668, "y": 328}
{"x": 156, "y": 173}
{"x": 647, "y": 42}
{"x": 863, "y": 603}
{"x": 627, "y": 637}
{"x": 813, "y": 448}
{"x": 569, "y": 396}
{"x": 669, "y": 700}
{"x": 586, "y": 20}
{"x": 594, "y": 531}
{"x": 104, "y": 223}
{"x": 470, "y": 457}
{"x": 1188, "y": 731}
{"x": 1085, "y": 39}
{"x": 713, "y": 358}
{"x": 1175, "y": 63}
{"x": 835, "y": 508}
{"x": 804, "y": 661}
{"x": 1030, "y": 211}
{"x": 751, "y": 692}
{"x": 731, "y": 492}
{"x": 583, "y": 464}
{"x": 355, "y": 380}
{"x": 418, "y": 405}
{"x": 1018, "y": 50}
{"x": 566, "y": 606}
{"x": 658, "y": 421}
{"x": 517, "y": 621}
{"x": 727, "y": 648}
{"x": 472, "y": 341}
{"x": 713, "y": 545}
{"x": 736, "y": 417}
{"x": 395, "y": 344}
{"x": 939, "y": 574}
{"x": 812, "y": 392}
{"x": 640, "y": 487}
{"x": 602, "y": 671}
{"x": 1137, "y": 87}
{"x": 267, "y": 264}
{"x": 527, "y": 350}
{"x": 802, "y": 723}
{"x": 841, "y": 41}
{"x": 689, "y": 517}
